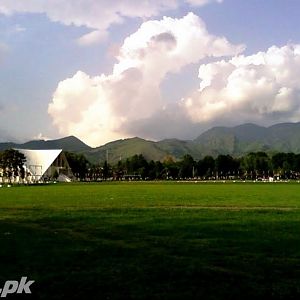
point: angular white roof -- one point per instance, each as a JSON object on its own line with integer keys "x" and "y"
{"x": 39, "y": 160}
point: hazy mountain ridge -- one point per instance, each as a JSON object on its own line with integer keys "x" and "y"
{"x": 244, "y": 138}
{"x": 70, "y": 143}
{"x": 236, "y": 141}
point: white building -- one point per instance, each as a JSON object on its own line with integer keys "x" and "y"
{"x": 46, "y": 164}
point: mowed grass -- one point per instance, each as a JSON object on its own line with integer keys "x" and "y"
{"x": 152, "y": 240}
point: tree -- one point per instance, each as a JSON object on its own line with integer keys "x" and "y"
{"x": 297, "y": 163}
{"x": 248, "y": 165}
{"x": 12, "y": 163}
{"x": 106, "y": 170}
{"x": 118, "y": 170}
{"x": 286, "y": 164}
{"x": 152, "y": 170}
{"x": 78, "y": 163}
{"x": 277, "y": 161}
{"x": 206, "y": 166}
{"x": 187, "y": 167}
{"x": 137, "y": 165}
{"x": 262, "y": 163}
{"x": 156, "y": 170}
{"x": 256, "y": 164}
{"x": 171, "y": 168}
{"x": 225, "y": 165}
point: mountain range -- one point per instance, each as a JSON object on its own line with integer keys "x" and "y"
{"x": 70, "y": 143}
{"x": 235, "y": 141}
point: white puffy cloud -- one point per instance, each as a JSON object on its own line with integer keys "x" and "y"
{"x": 80, "y": 107}
{"x": 41, "y": 137}
{"x": 263, "y": 87}
{"x": 97, "y": 15}
{"x": 102, "y": 108}
{"x": 92, "y": 37}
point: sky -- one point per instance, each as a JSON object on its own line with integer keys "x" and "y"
{"x": 103, "y": 70}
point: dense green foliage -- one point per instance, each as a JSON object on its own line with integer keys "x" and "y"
{"x": 153, "y": 240}
{"x": 78, "y": 163}
{"x": 12, "y": 163}
{"x": 253, "y": 166}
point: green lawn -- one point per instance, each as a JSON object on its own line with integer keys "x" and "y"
{"x": 153, "y": 240}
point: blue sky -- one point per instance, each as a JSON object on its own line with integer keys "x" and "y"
{"x": 57, "y": 80}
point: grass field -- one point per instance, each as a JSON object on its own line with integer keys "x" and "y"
{"x": 152, "y": 240}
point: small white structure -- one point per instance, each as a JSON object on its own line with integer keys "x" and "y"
{"x": 46, "y": 164}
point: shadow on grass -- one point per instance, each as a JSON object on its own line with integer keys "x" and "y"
{"x": 154, "y": 254}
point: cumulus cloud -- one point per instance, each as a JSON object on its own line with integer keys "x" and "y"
{"x": 41, "y": 137}
{"x": 263, "y": 88}
{"x": 97, "y": 15}
{"x": 102, "y": 108}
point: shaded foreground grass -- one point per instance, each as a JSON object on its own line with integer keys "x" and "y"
{"x": 143, "y": 241}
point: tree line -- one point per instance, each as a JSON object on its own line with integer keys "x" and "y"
{"x": 12, "y": 164}
{"x": 253, "y": 166}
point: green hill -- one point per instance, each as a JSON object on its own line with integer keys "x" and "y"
{"x": 245, "y": 138}
{"x": 177, "y": 148}
{"x": 70, "y": 143}
{"x": 122, "y": 149}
